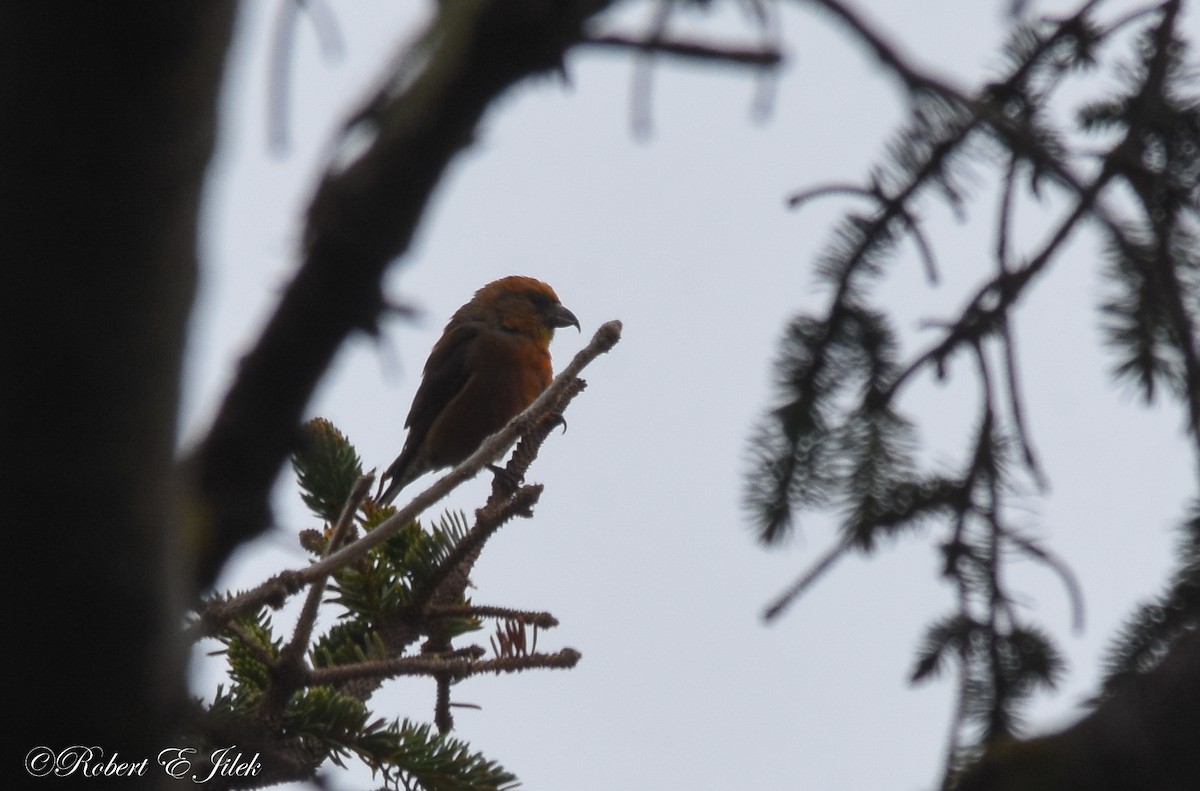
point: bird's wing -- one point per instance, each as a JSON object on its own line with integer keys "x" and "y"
{"x": 445, "y": 375}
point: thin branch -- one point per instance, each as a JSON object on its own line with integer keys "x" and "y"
{"x": 770, "y": 37}
{"x": 455, "y": 668}
{"x": 996, "y": 598}
{"x": 329, "y": 38}
{"x": 992, "y": 300}
{"x": 490, "y": 519}
{"x": 308, "y": 614}
{"x": 278, "y": 72}
{"x": 542, "y": 620}
{"x": 1130, "y": 17}
{"x": 693, "y": 50}
{"x": 1004, "y": 220}
{"x": 643, "y": 74}
{"x": 1012, "y": 370}
{"x": 1016, "y": 405}
{"x": 924, "y": 248}
{"x": 1074, "y": 591}
{"x": 914, "y": 80}
{"x": 797, "y": 199}
{"x": 805, "y": 581}
{"x": 875, "y": 193}
{"x": 442, "y": 717}
{"x": 982, "y": 111}
{"x": 958, "y": 719}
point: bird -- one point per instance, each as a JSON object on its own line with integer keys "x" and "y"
{"x": 492, "y": 361}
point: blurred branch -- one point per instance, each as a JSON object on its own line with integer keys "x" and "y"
{"x": 988, "y": 309}
{"x": 887, "y": 53}
{"x": 294, "y": 650}
{"x": 692, "y": 50}
{"x": 455, "y": 668}
{"x": 1002, "y": 658}
{"x": 805, "y": 581}
{"x": 329, "y": 37}
{"x": 1142, "y": 738}
{"x": 875, "y": 193}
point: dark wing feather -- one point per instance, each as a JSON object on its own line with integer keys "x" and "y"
{"x": 445, "y": 375}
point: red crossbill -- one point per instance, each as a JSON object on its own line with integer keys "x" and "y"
{"x": 492, "y": 361}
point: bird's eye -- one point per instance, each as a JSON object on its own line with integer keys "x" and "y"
{"x": 543, "y": 304}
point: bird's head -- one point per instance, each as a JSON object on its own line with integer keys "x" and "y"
{"x": 522, "y": 305}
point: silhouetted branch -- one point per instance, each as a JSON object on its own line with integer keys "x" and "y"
{"x": 329, "y": 38}
{"x": 432, "y": 665}
{"x": 1142, "y": 738}
{"x": 295, "y": 648}
{"x": 692, "y": 50}
{"x": 806, "y": 580}
{"x": 875, "y": 193}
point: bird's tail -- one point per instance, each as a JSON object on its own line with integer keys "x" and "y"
{"x": 394, "y": 479}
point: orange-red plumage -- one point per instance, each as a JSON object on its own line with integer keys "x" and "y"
{"x": 492, "y": 361}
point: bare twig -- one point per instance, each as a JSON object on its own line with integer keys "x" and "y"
{"x": 308, "y": 615}
{"x": 543, "y": 620}
{"x": 992, "y": 300}
{"x": 643, "y": 74}
{"x": 805, "y": 581}
{"x": 433, "y": 665}
{"x": 694, "y": 50}
{"x": 329, "y": 38}
{"x": 915, "y": 80}
{"x": 1074, "y": 591}
{"x": 797, "y": 199}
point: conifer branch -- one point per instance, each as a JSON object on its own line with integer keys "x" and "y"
{"x": 542, "y": 620}
{"x": 278, "y": 588}
{"x": 990, "y": 304}
{"x": 253, "y": 646}
{"x": 329, "y": 38}
{"x": 294, "y": 650}
{"x": 393, "y": 594}
{"x": 455, "y": 668}
{"x": 875, "y": 193}
{"x": 488, "y": 520}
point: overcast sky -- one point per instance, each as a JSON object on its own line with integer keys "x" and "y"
{"x": 640, "y": 546}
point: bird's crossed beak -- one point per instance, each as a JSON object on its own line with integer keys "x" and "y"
{"x": 561, "y": 317}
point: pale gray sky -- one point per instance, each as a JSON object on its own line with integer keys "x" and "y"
{"x": 639, "y": 545}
